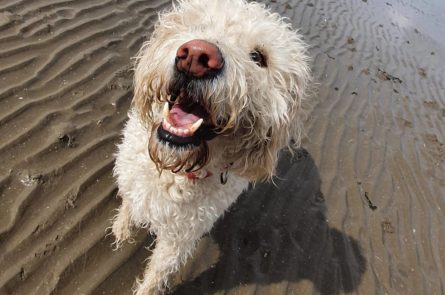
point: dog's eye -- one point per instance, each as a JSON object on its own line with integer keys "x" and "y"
{"x": 259, "y": 58}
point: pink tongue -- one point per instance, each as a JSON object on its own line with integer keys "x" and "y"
{"x": 179, "y": 118}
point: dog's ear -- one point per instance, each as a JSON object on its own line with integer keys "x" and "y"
{"x": 150, "y": 77}
{"x": 279, "y": 122}
{"x": 258, "y": 162}
{"x": 147, "y": 86}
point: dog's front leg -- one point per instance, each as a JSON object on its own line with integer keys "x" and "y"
{"x": 121, "y": 227}
{"x": 166, "y": 259}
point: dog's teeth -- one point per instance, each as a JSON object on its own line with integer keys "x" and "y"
{"x": 186, "y": 132}
{"x": 196, "y": 125}
{"x": 176, "y": 130}
{"x": 166, "y": 111}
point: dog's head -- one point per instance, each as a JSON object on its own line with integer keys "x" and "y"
{"x": 223, "y": 79}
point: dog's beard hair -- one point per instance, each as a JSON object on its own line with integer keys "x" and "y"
{"x": 176, "y": 159}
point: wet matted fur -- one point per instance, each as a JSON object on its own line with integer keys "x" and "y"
{"x": 253, "y": 108}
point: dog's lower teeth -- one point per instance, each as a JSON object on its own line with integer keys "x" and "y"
{"x": 182, "y": 131}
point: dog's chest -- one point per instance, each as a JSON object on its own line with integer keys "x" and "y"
{"x": 180, "y": 202}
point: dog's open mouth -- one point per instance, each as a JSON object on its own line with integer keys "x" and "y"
{"x": 185, "y": 124}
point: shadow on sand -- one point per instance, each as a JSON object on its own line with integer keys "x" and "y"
{"x": 280, "y": 233}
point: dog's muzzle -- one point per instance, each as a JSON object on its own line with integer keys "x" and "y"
{"x": 186, "y": 121}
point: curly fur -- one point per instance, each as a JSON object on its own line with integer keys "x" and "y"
{"x": 256, "y": 110}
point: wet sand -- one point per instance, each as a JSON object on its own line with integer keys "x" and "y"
{"x": 359, "y": 210}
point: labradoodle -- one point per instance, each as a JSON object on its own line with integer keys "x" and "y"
{"x": 219, "y": 89}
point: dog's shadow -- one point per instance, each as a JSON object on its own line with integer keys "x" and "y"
{"x": 277, "y": 233}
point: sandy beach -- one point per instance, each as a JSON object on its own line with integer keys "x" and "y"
{"x": 360, "y": 209}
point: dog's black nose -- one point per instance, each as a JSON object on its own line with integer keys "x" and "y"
{"x": 199, "y": 58}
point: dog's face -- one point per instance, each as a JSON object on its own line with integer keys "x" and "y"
{"x": 221, "y": 79}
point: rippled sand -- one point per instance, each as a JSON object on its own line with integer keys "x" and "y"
{"x": 359, "y": 210}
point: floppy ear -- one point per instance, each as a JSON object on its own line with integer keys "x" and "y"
{"x": 260, "y": 156}
{"x": 258, "y": 162}
{"x": 151, "y": 62}
{"x": 278, "y": 125}
{"x": 149, "y": 81}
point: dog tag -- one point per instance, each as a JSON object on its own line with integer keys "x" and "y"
{"x": 223, "y": 177}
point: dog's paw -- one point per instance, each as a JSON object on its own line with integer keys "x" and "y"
{"x": 121, "y": 231}
{"x": 145, "y": 291}
{"x": 151, "y": 285}
{"x": 148, "y": 291}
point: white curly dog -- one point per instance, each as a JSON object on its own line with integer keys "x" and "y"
{"x": 219, "y": 89}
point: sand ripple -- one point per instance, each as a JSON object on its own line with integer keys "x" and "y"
{"x": 65, "y": 87}
{"x": 360, "y": 209}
